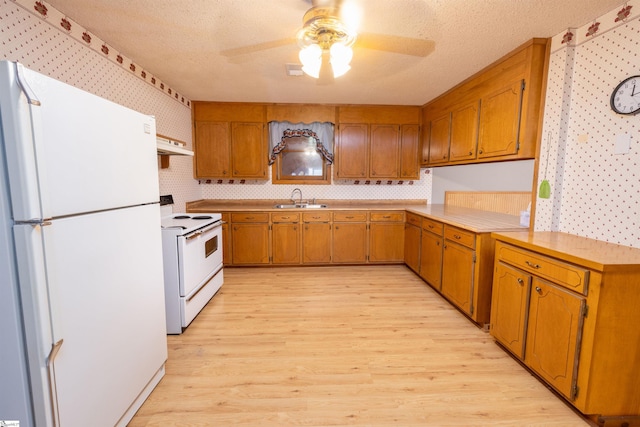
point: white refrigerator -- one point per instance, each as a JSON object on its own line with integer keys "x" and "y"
{"x": 82, "y": 319}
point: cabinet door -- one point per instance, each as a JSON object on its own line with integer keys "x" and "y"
{"x": 509, "y": 307}
{"x": 431, "y": 259}
{"x": 553, "y": 335}
{"x": 384, "y": 151}
{"x": 412, "y": 247}
{"x": 212, "y": 150}
{"x": 464, "y": 132}
{"x": 250, "y": 243}
{"x": 226, "y": 244}
{"x": 500, "y": 122}
{"x": 285, "y": 240}
{"x": 352, "y": 160}
{"x": 350, "y": 243}
{"x": 409, "y": 146}
{"x": 439, "y": 139}
{"x": 458, "y": 264}
{"x": 248, "y": 151}
{"x": 386, "y": 242}
{"x": 316, "y": 243}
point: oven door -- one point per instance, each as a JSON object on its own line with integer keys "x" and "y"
{"x": 199, "y": 255}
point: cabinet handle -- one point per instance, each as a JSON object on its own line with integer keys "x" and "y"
{"x": 430, "y": 226}
{"x": 532, "y": 265}
{"x": 349, "y": 217}
{"x": 520, "y": 281}
{"x": 457, "y": 236}
{"x": 539, "y": 290}
{"x": 437, "y": 243}
{"x": 337, "y": 227}
{"x": 295, "y": 228}
{"x": 480, "y": 151}
{"x": 444, "y": 157}
{"x": 471, "y": 153}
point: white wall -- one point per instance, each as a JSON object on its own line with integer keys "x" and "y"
{"x": 595, "y": 192}
{"x": 504, "y": 176}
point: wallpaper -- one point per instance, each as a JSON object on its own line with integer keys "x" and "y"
{"x": 35, "y": 34}
{"x": 595, "y": 182}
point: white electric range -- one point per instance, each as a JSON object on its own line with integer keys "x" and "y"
{"x": 193, "y": 270}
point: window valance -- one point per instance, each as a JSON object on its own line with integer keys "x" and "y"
{"x": 321, "y": 132}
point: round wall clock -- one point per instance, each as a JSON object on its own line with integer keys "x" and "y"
{"x": 625, "y": 98}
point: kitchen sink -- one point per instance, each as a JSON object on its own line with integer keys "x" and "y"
{"x": 300, "y": 206}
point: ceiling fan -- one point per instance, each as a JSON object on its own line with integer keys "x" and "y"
{"x": 329, "y": 31}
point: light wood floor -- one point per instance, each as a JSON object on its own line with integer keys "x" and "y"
{"x": 341, "y": 346}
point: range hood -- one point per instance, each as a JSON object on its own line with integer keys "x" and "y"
{"x": 169, "y": 147}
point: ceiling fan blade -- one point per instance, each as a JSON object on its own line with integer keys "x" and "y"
{"x": 245, "y": 50}
{"x": 396, "y": 44}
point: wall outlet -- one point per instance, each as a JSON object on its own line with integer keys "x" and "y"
{"x": 583, "y": 138}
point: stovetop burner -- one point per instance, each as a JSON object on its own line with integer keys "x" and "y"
{"x": 188, "y": 223}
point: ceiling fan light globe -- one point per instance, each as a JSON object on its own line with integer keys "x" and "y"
{"x": 339, "y": 69}
{"x": 341, "y": 53}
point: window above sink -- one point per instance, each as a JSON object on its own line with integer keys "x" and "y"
{"x": 301, "y": 153}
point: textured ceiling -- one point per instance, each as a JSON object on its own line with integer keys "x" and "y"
{"x": 181, "y": 43}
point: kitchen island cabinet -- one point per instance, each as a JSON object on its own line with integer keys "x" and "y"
{"x": 567, "y": 307}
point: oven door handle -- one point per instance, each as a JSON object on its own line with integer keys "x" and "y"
{"x": 204, "y": 230}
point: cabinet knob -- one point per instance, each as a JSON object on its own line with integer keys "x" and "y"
{"x": 532, "y": 265}
{"x": 471, "y": 153}
{"x": 539, "y": 290}
{"x": 457, "y": 236}
{"x": 480, "y": 151}
{"x": 520, "y": 281}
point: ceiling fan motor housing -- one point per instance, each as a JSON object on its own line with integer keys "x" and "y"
{"x": 323, "y": 27}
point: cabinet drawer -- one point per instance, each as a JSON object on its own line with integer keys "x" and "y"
{"x": 316, "y": 217}
{"x": 250, "y": 217}
{"x": 350, "y": 216}
{"x": 431, "y": 226}
{"x": 394, "y": 216}
{"x": 414, "y": 219}
{"x": 561, "y": 273}
{"x": 458, "y": 235}
{"x": 285, "y": 217}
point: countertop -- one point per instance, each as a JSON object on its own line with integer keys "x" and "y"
{"x": 475, "y": 220}
{"x": 595, "y": 254}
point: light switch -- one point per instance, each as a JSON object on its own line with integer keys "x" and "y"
{"x": 623, "y": 144}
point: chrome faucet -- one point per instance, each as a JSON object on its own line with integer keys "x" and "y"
{"x": 294, "y": 192}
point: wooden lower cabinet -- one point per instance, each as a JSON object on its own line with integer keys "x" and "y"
{"x": 386, "y": 237}
{"x": 431, "y": 246}
{"x": 286, "y": 238}
{"x": 458, "y": 275}
{"x": 567, "y": 306}
{"x": 226, "y": 239}
{"x": 412, "y": 236}
{"x": 349, "y": 237}
{"x": 316, "y": 238}
{"x": 250, "y": 238}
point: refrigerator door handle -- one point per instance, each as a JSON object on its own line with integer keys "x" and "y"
{"x": 53, "y": 393}
{"x": 22, "y": 81}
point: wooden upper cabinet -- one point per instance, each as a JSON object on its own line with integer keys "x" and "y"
{"x": 213, "y": 149}
{"x": 500, "y": 121}
{"x": 494, "y": 114}
{"x": 248, "y": 150}
{"x": 464, "y": 132}
{"x": 230, "y": 140}
{"x": 385, "y": 151}
{"x": 439, "y": 139}
{"x": 352, "y": 151}
{"x": 409, "y": 147}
